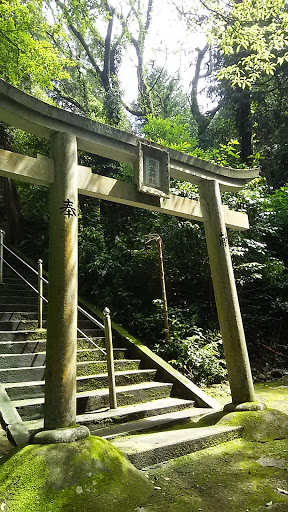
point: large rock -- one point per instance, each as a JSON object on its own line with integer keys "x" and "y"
{"x": 88, "y": 475}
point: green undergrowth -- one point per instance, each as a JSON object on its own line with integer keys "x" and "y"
{"x": 88, "y": 475}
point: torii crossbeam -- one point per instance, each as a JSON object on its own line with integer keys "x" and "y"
{"x": 68, "y": 133}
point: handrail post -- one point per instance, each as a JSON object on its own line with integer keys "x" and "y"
{"x": 110, "y": 359}
{"x": 1, "y": 254}
{"x": 40, "y": 294}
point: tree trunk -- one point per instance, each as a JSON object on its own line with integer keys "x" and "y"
{"x": 15, "y": 228}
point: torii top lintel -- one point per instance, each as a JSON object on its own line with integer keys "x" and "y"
{"x": 34, "y": 116}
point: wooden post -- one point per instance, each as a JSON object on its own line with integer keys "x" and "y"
{"x": 110, "y": 359}
{"x": 60, "y": 375}
{"x": 238, "y": 366}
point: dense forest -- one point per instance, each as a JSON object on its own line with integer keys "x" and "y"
{"x": 70, "y": 53}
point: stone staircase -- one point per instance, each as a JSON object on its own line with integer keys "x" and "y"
{"x": 146, "y": 402}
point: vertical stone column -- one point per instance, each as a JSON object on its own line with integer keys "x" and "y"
{"x": 60, "y": 376}
{"x": 236, "y": 355}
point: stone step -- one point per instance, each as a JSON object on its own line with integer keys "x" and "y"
{"x": 85, "y": 323}
{"x": 92, "y": 401}
{"x": 122, "y": 378}
{"x": 22, "y": 374}
{"x": 35, "y": 373}
{"x": 21, "y": 307}
{"x": 93, "y": 333}
{"x": 25, "y": 272}
{"x": 21, "y": 390}
{"x": 84, "y": 343}
{"x": 12, "y": 361}
{"x": 96, "y": 354}
{"x": 18, "y": 325}
{"x": 94, "y": 367}
{"x": 123, "y": 414}
{"x": 23, "y": 335}
{"x": 22, "y": 347}
{"x": 15, "y": 293}
{"x": 16, "y": 316}
{"x": 133, "y": 412}
{"x": 18, "y": 285}
{"x": 32, "y": 335}
{"x": 162, "y": 421}
{"x": 30, "y": 298}
{"x": 17, "y": 347}
{"x": 126, "y": 395}
{"x": 150, "y": 449}
{"x": 38, "y": 358}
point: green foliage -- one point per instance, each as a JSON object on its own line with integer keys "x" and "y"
{"x": 169, "y": 99}
{"x": 260, "y": 266}
{"x": 199, "y": 356}
{"x": 256, "y": 32}
{"x": 35, "y": 209}
{"x": 26, "y": 55}
{"x": 173, "y": 133}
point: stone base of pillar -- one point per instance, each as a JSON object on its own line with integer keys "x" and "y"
{"x": 60, "y": 435}
{"x": 246, "y": 406}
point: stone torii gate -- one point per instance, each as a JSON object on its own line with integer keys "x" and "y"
{"x": 69, "y": 132}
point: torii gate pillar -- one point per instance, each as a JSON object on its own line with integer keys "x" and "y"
{"x": 231, "y": 327}
{"x": 60, "y": 376}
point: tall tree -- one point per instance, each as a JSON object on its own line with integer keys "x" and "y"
{"x": 29, "y": 61}
{"x": 94, "y": 45}
{"x": 136, "y": 25}
{"x": 27, "y": 57}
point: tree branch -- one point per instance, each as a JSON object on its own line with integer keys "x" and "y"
{"x": 136, "y": 113}
{"x": 69, "y": 99}
{"x": 82, "y": 41}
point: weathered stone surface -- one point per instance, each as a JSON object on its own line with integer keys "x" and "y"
{"x": 150, "y": 449}
{"x": 61, "y": 435}
{"x": 245, "y": 406}
{"x": 228, "y": 309}
{"x": 61, "y": 348}
{"x": 34, "y": 116}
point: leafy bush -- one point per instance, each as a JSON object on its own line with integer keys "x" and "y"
{"x": 199, "y": 356}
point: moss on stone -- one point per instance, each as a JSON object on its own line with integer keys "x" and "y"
{"x": 89, "y": 475}
{"x": 238, "y": 476}
{"x": 259, "y": 426}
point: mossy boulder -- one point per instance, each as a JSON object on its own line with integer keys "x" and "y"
{"x": 259, "y": 426}
{"x": 89, "y": 475}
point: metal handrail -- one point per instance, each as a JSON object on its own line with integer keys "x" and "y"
{"x": 107, "y": 321}
{"x": 20, "y": 259}
{"x": 23, "y": 278}
{"x": 41, "y": 297}
{"x": 90, "y": 317}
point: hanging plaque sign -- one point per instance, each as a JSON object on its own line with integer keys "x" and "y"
{"x": 152, "y": 172}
